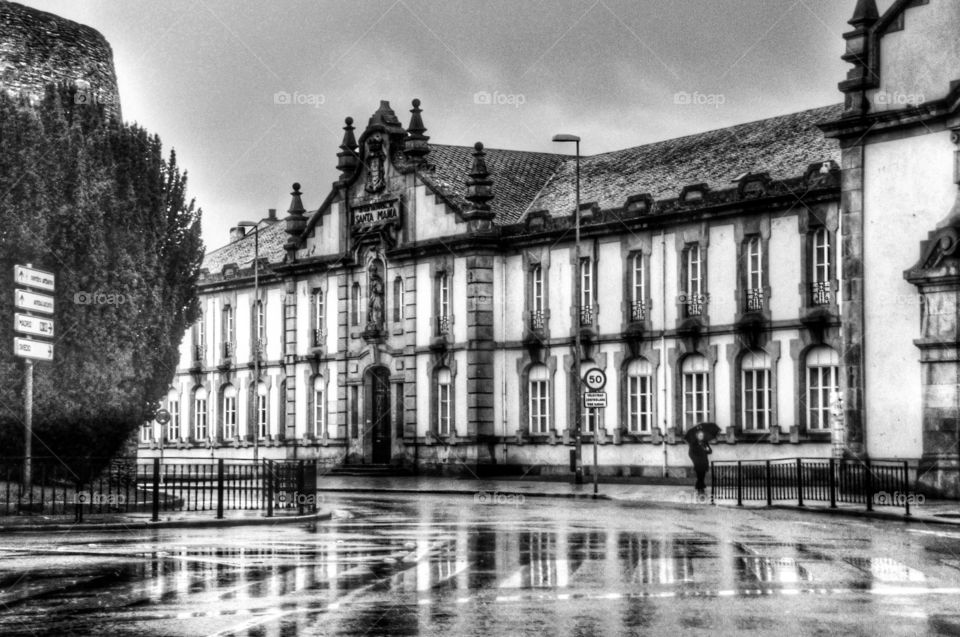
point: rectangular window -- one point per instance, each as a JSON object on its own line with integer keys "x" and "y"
{"x": 695, "y": 399}
{"x": 820, "y": 267}
{"x": 640, "y": 392}
{"x": 443, "y": 408}
{"x": 355, "y": 304}
{"x": 539, "y": 407}
{"x": 586, "y": 292}
{"x": 319, "y": 410}
{"x": 201, "y": 338}
{"x": 262, "y": 416}
{"x": 397, "y": 299}
{"x": 536, "y": 298}
{"x": 173, "y": 427}
{"x": 200, "y": 419}
{"x": 229, "y": 417}
{"x": 146, "y": 433}
{"x": 319, "y": 318}
{"x": 822, "y": 384}
{"x": 756, "y": 399}
{"x": 754, "y": 256}
{"x": 443, "y": 303}
{"x": 638, "y": 289}
{"x": 693, "y": 284}
{"x": 228, "y": 331}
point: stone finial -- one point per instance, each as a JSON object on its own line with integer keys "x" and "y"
{"x": 296, "y": 221}
{"x": 866, "y": 13}
{"x": 415, "y": 146}
{"x": 347, "y": 158}
{"x": 479, "y": 185}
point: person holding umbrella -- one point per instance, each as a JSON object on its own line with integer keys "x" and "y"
{"x": 699, "y": 437}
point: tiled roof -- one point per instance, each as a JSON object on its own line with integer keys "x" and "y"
{"x": 517, "y": 176}
{"x": 272, "y": 238}
{"x": 781, "y": 146}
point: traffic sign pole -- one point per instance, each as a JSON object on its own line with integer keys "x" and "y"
{"x": 28, "y": 424}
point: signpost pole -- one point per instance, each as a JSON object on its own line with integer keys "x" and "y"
{"x": 596, "y": 468}
{"x": 28, "y": 423}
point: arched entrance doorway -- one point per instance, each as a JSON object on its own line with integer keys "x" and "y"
{"x": 376, "y": 409}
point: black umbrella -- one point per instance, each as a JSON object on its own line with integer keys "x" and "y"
{"x": 710, "y": 431}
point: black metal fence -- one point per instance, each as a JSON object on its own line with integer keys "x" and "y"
{"x": 868, "y": 482}
{"x": 79, "y": 487}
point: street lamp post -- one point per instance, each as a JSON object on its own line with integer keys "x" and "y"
{"x": 579, "y": 311}
{"x": 256, "y": 324}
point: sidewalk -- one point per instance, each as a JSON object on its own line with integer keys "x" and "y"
{"x": 131, "y": 521}
{"x": 675, "y": 492}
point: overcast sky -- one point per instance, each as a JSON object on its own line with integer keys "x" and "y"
{"x": 206, "y": 74}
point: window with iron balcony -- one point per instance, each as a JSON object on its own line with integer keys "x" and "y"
{"x": 821, "y": 292}
{"x": 586, "y": 292}
{"x": 694, "y": 300}
{"x": 753, "y": 253}
{"x": 443, "y": 304}
{"x": 638, "y": 311}
{"x": 443, "y": 325}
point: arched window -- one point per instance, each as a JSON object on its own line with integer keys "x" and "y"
{"x": 444, "y": 406}
{"x": 756, "y": 391}
{"x": 262, "y": 413}
{"x": 173, "y": 406}
{"x": 823, "y": 381}
{"x": 695, "y": 377}
{"x": 539, "y": 396}
{"x": 639, "y": 396}
{"x": 200, "y": 430}
{"x": 229, "y": 412}
{"x": 398, "y": 299}
{"x": 319, "y": 406}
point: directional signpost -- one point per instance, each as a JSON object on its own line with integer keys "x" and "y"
{"x": 32, "y": 299}
{"x": 595, "y": 379}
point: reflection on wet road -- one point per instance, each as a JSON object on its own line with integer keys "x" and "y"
{"x": 448, "y": 566}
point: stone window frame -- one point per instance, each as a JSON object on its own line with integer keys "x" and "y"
{"x": 588, "y": 253}
{"x": 435, "y": 370}
{"x": 318, "y": 313}
{"x": 598, "y": 359}
{"x": 194, "y": 412}
{"x": 685, "y": 238}
{"x": 222, "y": 416}
{"x": 228, "y": 327}
{"x": 621, "y": 360}
{"x": 524, "y": 365}
{"x": 439, "y": 268}
{"x": 200, "y": 337}
{"x": 626, "y": 396}
{"x": 735, "y": 356}
{"x": 356, "y": 301}
{"x": 809, "y": 221}
{"x": 174, "y": 396}
{"x": 746, "y": 230}
{"x": 531, "y": 261}
{"x": 803, "y": 383}
{"x": 321, "y": 431}
{"x": 676, "y": 356}
{"x": 254, "y": 407}
{"x": 397, "y": 293}
{"x": 644, "y": 253}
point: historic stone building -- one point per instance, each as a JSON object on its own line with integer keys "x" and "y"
{"x": 426, "y": 312}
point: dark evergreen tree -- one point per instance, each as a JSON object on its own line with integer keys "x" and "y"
{"x": 93, "y": 200}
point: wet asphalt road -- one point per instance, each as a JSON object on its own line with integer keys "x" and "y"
{"x": 449, "y": 566}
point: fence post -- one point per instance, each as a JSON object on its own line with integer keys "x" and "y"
{"x": 220, "y": 489}
{"x": 769, "y": 486}
{"x": 833, "y": 483}
{"x": 713, "y": 481}
{"x": 268, "y": 481}
{"x": 868, "y": 484}
{"x": 906, "y": 487}
{"x": 739, "y": 483}
{"x": 156, "y": 490}
{"x": 799, "y": 482}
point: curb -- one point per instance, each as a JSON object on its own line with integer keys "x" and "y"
{"x": 575, "y": 496}
{"x": 875, "y": 515}
{"x": 168, "y": 524}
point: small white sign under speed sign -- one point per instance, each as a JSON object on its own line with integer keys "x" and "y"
{"x": 595, "y": 379}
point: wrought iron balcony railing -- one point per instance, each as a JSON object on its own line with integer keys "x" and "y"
{"x": 586, "y": 315}
{"x": 199, "y": 353}
{"x": 753, "y": 300}
{"x": 820, "y": 293}
{"x": 537, "y": 320}
{"x": 694, "y": 304}
{"x": 319, "y": 336}
{"x": 443, "y": 325}
{"x": 258, "y": 349}
{"x": 638, "y": 311}
{"x": 228, "y": 349}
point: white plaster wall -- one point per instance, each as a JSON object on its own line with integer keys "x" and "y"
{"x": 657, "y": 293}
{"x": 671, "y": 291}
{"x": 722, "y": 275}
{"x": 424, "y": 303}
{"x": 908, "y": 189}
{"x": 918, "y": 63}
{"x": 722, "y": 372}
{"x": 609, "y": 293}
{"x": 513, "y": 290}
{"x": 786, "y": 374}
{"x": 785, "y": 251}
{"x": 433, "y": 218}
{"x": 423, "y": 394}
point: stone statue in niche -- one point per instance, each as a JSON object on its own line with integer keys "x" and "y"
{"x": 375, "y": 308}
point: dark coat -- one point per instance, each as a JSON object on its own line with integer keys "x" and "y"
{"x": 700, "y": 454}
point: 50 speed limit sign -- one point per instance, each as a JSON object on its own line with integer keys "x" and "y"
{"x": 595, "y": 378}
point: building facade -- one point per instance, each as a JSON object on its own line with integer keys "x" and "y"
{"x": 426, "y": 312}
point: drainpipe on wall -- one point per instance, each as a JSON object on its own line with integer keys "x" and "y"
{"x": 663, "y": 340}
{"x": 503, "y": 353}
